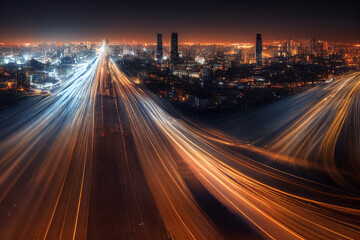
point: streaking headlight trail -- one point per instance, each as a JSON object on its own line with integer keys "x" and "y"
{"x": 103, "y": 158}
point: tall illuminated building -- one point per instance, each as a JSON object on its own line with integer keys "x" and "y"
{"x": 289, "y": 46}
{"x": 159, "y": 49}
{"x": 313, "y": 46}
{"x": 174, "y": 53}
{"x": 258, "y": 49}
{"x": 325, "y": 46}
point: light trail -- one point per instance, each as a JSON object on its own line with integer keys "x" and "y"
{"x": 312, "y": 137}
{"x": 179, "y": 211}
{"x": 45, "y": 162}
{"x": 316, "y": 129}
{"x": 281, "y": 205}
{"x": 47, "y": 153}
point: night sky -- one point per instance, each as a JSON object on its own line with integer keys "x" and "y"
{"x": 196, "y": 21}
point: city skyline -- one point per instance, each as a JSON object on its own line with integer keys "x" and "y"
{"x": 180, "y": 120}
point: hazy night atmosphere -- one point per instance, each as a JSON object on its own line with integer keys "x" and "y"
{"x": 180, "y": 120}
{"x": 197, "y": 21}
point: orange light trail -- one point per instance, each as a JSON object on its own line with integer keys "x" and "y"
{"x": 47, "y": 159}
{"x": 242, "y": 184}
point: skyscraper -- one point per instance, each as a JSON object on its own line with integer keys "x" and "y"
{"x": 289, "y": 47}
{"x": 258, "y": 49}
{"x": 174, "y": 53}
{"x": 313, "y": 46}
{"x": 159, "y": 49}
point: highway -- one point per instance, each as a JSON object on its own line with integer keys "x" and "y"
{"x": 316, "y": 129}
{"x": 101, "y": 158}
{"x": 45, "y": 161}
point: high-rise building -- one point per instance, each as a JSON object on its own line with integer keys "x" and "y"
{"x": 313, "y": 46}
{"x": 174, "y": 53}
{"x": 22, "y": 81}
{"x": 289, "y": 47}
{"x": 239, "y": 53}
{"x": 159, "y": 49}
{"x": 325, "y": 46}
{"x": 258, "y": 49}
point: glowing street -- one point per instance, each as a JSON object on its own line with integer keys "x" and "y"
{"x": 103, "y": 158}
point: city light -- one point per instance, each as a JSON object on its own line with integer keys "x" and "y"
{"x": 192, "y": 120}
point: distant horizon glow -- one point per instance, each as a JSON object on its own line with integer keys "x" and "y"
{"x": 244, "y": 45}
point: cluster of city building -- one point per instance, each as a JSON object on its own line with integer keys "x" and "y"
{"x": 35, "y": 68}
{"x": 234, "y": 75}
{"x": 208, "y": 75}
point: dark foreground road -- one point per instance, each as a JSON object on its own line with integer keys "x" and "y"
{"x": 121, "y": 205}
